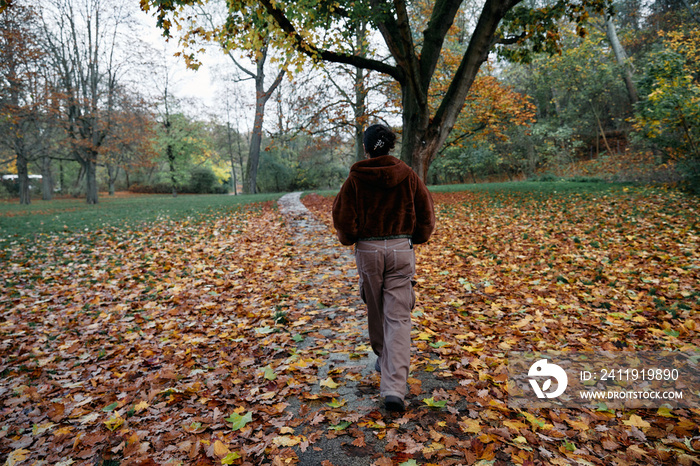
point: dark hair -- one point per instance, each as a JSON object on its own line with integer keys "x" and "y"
{"x": 379, "y": 140}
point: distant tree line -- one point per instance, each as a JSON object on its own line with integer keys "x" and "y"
{"x": 604, "y": 86}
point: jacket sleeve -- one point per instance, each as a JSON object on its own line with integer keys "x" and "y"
{"x": 425, "y": 213}
{"x": 345, "y": 214}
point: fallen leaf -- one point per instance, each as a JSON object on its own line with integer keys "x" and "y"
{"x": 329, "y": 383}
{"x": 16, "y": 457}
{"x": 636, "y": 421}
{"x": 220, "y": 449}
{"x": 238, "y": 422}
{"x": 114, "y": 422}
{"x": 434, "y": 404}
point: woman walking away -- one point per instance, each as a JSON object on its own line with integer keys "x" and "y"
{"x": 384, "y": 209}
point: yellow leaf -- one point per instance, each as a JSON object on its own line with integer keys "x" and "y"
{"x": 63, "y": 431}
{"x": 286, "y": 440}
{"x": 16, "y": 457}
{"x": 515, "y": 425}
{"x": 141, "y": 406}
{"x": 637, "y": 421}
{"x": 470, "y": 426}
{"x": 329, "y": 383}
{"x": 114, "y": 422}
{"x": 472, "y": 348}
{"x": 578, "y": 425}
{"x": 220, "y": 449}
{"x": 40, "y": 429}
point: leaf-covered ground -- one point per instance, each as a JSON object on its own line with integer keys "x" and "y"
{"x": 227, "y": 339}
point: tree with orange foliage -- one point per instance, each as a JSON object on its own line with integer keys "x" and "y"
{"x": 130, "y": 144}
{"x": 25, "y": 93}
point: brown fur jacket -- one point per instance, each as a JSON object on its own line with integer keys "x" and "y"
{"x": 383, "y": 197}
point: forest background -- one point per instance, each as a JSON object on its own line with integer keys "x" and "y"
{"x": 89, "y": 107}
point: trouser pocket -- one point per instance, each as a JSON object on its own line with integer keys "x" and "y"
{"x": 405, "y": 262}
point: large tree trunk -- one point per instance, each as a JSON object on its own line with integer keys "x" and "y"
{"x": 359, "y": 144}
{"x": 46, "y": 179}
{"x": 23, "y": 180}
{"x": 91, "y": 179}
{"x": 414, "y": 142}
{"x": 112, "y": 174}
{"x": 621, "y": 58}
{"x": 261, "y": 98}
{"x": 171, "y": 161}
{"x": 256, "y": 139}
{"x": 424, "y": 134}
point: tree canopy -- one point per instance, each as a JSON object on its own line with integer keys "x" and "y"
{"x": 315, "y": 29}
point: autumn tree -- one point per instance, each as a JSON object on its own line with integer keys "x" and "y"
{"x": 491, "y": 110}
{"x": 314, "y": 28}
{"x": 669, "y": 114}
{"x": 491, "y": 107}
{"x": 25, "y": 95}
{"x": 130, "y": 143}
{"x": 85, "y": 44}
{"x": 263, "y": 92}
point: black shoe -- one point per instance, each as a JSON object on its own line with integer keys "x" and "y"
{"x": 378, "y": 366}
{"x": 394, "y": 404}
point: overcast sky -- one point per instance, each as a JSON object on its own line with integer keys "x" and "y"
{"x": 189, "y": 83}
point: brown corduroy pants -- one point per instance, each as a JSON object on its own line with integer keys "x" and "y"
{"x": 386, "y": 268}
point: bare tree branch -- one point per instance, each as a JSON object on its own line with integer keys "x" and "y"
{"x": 312, "y": 51}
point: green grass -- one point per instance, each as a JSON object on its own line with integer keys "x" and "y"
{"x": 63, "y": 216}
{"x": 18, "y": 222}
{"x": 543, "y": 187}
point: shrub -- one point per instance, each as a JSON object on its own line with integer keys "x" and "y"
{"x": 203, "y": 181}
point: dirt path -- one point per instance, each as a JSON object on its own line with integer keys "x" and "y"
{"x": 341, "y": 331}
{"x": 355, "y": 430}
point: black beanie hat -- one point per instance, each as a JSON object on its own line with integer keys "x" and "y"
{"x": 379, "y": 140}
